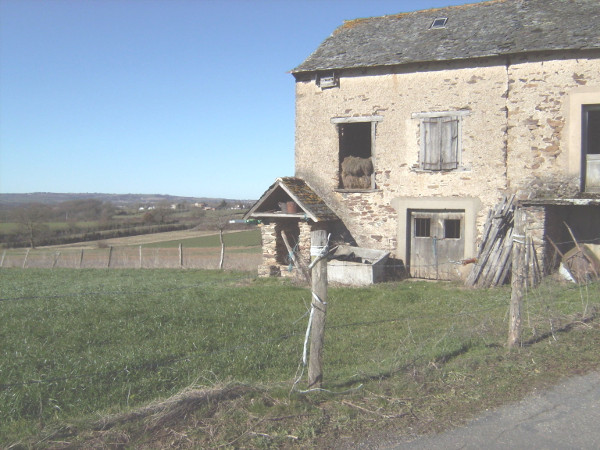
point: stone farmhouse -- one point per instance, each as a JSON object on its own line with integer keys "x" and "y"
{"x": 411, "y": 127}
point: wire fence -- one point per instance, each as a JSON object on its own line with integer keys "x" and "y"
{"x": 130, "y": 258}
{"x": 133, "y": 257}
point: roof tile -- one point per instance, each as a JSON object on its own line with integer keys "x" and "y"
{"x": 492, "y": 28}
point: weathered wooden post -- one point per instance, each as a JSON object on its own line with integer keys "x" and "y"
{"x": 110, "y": 250}
{"x": 180, "y": 255}
{"x": 26, "y": 256}
{"x": 222, "y": 260}
{"x": 318, "y": 253}
{"x": 56, "y": 256}
{"x": 140, "y": 257}
{"x": 517, "y": 278}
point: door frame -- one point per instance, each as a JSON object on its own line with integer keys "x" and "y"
{"x": 577, "y": 99}
{"x": 585, "y": 156}
{"x": 443, "y": 249}
{"x": 470, "y": 205}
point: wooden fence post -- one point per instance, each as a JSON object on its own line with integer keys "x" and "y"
{"x": 180, "y": 255}
{"x": 110, "y": 250}
{"x": 319, "y": 306}
{"x": 222, "y": 261}
{"x": 518, "y": 277}
{"x": 140, "y": 256}
{"x": 26, "y": 256}
{"x": 56, "y": 256}
{"x": 81, "y": 259}
{"x": 3, "y": 255}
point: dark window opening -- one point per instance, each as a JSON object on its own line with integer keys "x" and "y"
{"x": 356, "y": 165}
{"x": 592, "y": 130}
{"x": 355, "y": 139}
{"x": 452, "y": 228}
{"x": 422, "y": 227}
{"x": 590, "y": 148}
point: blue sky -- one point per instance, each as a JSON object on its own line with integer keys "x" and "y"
{"x": 180, "y": 97}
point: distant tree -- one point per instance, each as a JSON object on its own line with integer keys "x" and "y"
{"x": 223, "y": 204}
{"x": 31, "y": 219}
{"x": 72, "y": 225}
{"x": 84, "y": 209}
{"x": 149, "y": 218}
{"x": 162, "y": 212}
{"x": 198, "y": 213}
{"x": 107, "y": 212}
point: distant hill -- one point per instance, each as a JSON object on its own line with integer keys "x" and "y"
{"x": 51, "y": 198}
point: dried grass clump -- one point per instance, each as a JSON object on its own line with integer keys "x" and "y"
{"x": 353, "y": 165}
{"x": 176, "y": 408}
{"x": 356, "y": 172}
{"x": 352, "y": 182}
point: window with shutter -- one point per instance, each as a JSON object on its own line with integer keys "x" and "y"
{"x": 440, "y": 140}
{"x": 440, "y": 146}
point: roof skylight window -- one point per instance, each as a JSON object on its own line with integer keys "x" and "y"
{"x": 439, "y": 22}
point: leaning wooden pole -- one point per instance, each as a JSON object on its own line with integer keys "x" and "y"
{"x": 222, "y": 260}
{"x": 517, "y": 278}
{"x": 318, "y": 253}
{"x": 295, "y": 260}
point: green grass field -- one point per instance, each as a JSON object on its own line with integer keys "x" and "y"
{"x": 12, "y": 227}
{"x": 249, "y": 238}
{"x": 78, "y": 345}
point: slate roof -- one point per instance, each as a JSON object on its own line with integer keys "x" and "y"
{"x": 292, "y": 188}
{"x": 498, "y": 27}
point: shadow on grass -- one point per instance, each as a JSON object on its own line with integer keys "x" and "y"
{"x": 563, "y": 329}
{"x": 384, "y": 375}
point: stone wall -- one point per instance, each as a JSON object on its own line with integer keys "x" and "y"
{"x": 514, "y": 120}
{"x": 535, "y": 229}
{"x": 274, "y": 262}
{"x": 480, "y": 92}
{"x": 541, "y": 160}
{"x": 269, "y": 266}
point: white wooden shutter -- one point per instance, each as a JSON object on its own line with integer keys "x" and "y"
{"x": 440, "y": 143}
{"x": 431, "y": 145}
{"x": 449, "y": 143}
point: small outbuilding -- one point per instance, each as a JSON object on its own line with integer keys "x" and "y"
{"x": 288, "y": 211}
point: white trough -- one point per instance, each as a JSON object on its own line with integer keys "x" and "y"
{"x": 357, "y": 266}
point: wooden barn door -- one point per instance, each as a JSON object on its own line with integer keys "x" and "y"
{"x": 436, "y": 243}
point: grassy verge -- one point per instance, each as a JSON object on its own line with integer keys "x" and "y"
{"x": 206, "y": 358}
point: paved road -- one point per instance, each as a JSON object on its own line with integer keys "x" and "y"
{"x": 564, "y": 417}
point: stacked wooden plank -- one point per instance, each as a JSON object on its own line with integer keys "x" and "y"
{"x": 493, "y": 263}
